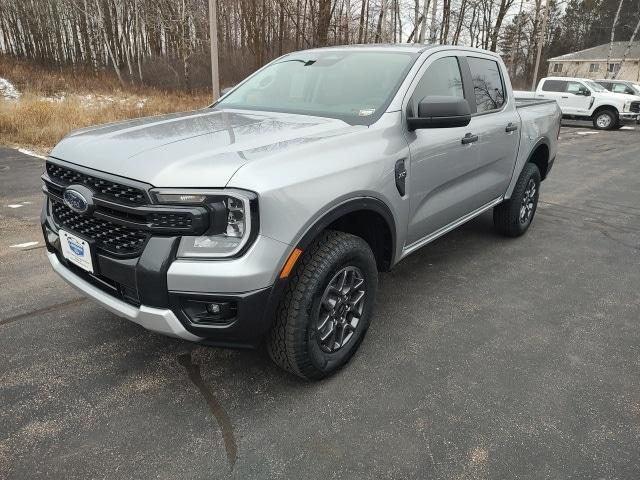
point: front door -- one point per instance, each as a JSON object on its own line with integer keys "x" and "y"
{"x": 441, "y": 171}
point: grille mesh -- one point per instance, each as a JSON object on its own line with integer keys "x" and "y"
{"x": 635, "y": 107}
{"x": 115, "y": 191}
{"x": 107, "y": 235}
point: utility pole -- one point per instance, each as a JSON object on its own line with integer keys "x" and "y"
{"x": 540, "y": 42}
{"x": 213, "y": 32}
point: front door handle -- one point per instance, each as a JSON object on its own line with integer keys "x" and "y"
{"x": 512, "y": 127}
{"x": 469, "y": 138}
{"x": 565, "y": 97}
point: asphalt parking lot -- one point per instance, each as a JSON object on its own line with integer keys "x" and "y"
{"x": 488, "y": 358}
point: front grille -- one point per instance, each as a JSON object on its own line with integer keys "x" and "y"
{"x": 107, "y": 188}
{"x": 108, "y": 236}
{"x": 635, "y": 107}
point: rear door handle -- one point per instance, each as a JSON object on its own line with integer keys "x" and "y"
{"x": 512, "y": 127}
{"x": 469, "y": 138}
{"x": 565, "y": 97}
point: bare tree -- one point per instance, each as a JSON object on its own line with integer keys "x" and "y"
{"x": 613, "y": 32}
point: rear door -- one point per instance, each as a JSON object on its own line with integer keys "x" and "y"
{"x": 497, "y": 125}
{"x": 553, "y": 90}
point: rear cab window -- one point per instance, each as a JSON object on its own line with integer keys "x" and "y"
{"x": 554, "y": 85}
{"x": 488, "y": 86}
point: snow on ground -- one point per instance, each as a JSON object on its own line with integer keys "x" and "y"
{"x": 31, "y": 153}
{"x": 97, "y": 100}
{"x": 7, "y": 90}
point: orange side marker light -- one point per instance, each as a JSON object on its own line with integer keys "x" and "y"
{"x": 290, "y": 263}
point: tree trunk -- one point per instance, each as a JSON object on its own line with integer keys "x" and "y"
{"x": 613, "y": 33}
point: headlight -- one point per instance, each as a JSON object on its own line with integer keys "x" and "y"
{"x": 627, "y": 106}
{"x": 230, "y": 226}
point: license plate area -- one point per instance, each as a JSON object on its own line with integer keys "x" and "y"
{"x": 76, "y": 250}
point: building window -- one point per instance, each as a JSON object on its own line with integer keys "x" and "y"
{"x": 557, "y": 67}
{"x": 613, "y": 67}
{"x": 594, "y": 67}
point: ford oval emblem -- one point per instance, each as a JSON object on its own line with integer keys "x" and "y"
{"x": 75, "y": 201}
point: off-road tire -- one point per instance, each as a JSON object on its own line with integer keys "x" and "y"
{"x": 292, "y": 342}
{"x": 506, "y": 216}
{"x": 612, "y": 122}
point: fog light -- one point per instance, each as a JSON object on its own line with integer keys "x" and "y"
{"x": 214, "y": 308}
{"x": 209, "y": 313}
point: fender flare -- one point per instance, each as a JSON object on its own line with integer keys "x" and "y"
{"x": 348, "y": 206}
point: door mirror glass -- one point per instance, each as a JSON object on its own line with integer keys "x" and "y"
{"x": 441, "y": 112}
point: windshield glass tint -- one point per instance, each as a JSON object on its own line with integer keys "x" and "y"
{"x": 353, "y": 86}
{"x": 595, "y": 86}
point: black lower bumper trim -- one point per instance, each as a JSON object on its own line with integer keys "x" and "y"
{"x": 245, "y": 329}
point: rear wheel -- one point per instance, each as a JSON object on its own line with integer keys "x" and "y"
{"x": 605, "y": 120}
{"x": 513, "y": 217}
{"x": 327, "y": 307}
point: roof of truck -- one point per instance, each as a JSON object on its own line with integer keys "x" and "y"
{"x": 396, "y": 47}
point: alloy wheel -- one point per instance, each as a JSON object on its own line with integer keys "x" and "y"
{"x": 341, "y": 309}
{"x": 528, "y": 201}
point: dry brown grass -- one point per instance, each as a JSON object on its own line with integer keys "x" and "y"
{"x": 32, "y": 121}
{"x": 56, "y": 101}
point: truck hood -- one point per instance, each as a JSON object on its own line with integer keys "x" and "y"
{"x": 203, "y": 148}
{"x": 612, "y": 96}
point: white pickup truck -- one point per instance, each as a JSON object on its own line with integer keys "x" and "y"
{"x": 584, "y": 99}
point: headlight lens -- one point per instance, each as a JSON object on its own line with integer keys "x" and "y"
{"x": 229, "y": 236}
{"x": 627, "y": 106}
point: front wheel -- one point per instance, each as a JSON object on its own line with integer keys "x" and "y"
{"x": 605, "y": 120}
{"x": 513, "y": 217}
{"x": 327, "y": 307}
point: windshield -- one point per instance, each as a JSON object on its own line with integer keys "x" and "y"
{"x": 595, "y": 86}
{"x": 354, "y": 86}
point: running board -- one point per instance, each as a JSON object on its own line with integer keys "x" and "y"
{"x": 446, "y": 229}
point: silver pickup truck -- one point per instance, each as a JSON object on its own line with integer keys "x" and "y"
{"x": 266, "y": 217}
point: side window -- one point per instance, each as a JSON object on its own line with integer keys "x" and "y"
{"x": 606, "y": 85}
{"x": 620, "y": 88}
{"x": 442, "y": 78}
{"x": 575, "y": 87}
{"x": 554, "y": 85}
{"x": 487, "y": 84}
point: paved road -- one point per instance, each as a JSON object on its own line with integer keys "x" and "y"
{"x": 488, "y": 358}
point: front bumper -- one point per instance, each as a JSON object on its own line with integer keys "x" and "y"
{"x": 151, "y": 290}
{"x": 156, "y": 319}
{"x": 629, "y": 117}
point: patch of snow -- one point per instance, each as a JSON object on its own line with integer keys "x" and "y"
{"x": 587, "y": 133}
{"x": 91, "y": 100}
{"x": 7, "y": 90}
{"x": 24, "y": 245}
{"x": 627, "y": 128}
{"x": 30, "y": 153}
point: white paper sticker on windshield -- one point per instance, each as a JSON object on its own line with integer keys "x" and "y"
{"x": 365, "y": 112}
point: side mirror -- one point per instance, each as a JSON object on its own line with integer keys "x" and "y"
{"x": 586, "y": 93}
{"x": 441, "y": 112}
